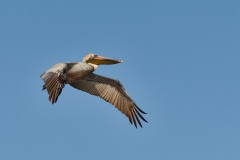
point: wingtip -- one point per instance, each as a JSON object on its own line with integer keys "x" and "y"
{"x": 43, "y": 87}
{"x": 136, "y": 126}
{"x": 42, "y": 75}
{"x": 140, "y": 110}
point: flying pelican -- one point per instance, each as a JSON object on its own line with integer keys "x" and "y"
{"x": 80, "y": 76}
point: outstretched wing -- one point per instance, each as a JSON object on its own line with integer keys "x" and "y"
{"x": 113, "y": 92}
{"x": 55, "y": 80}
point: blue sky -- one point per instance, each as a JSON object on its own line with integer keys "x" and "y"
{"x": 181, "y": 66}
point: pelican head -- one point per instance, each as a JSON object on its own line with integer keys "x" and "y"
{"x": 96, "y": 60}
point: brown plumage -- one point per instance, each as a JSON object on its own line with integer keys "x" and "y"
{"x": 79, "y": 75}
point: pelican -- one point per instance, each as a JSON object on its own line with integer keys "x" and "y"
{"x": 80, "y": 75}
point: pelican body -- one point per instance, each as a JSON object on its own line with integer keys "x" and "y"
{"x": 80, "y": 76}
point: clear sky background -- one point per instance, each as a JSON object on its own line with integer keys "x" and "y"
{"x": 181, "y": 66}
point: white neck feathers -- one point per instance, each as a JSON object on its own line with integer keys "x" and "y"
{"x": 95, "y": 66}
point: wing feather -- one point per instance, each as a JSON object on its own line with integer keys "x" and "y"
{"x": 54, "y": 83}
{"x": 113, "y": 92}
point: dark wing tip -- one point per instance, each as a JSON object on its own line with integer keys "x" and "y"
{"x": 42, "y": 75}
{"x": 43, "y": 87}
{"x": 135, "y": 117}
{"x": 140, "y": 109}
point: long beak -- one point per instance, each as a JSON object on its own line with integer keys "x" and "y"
{"x": 103, "y": 60}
